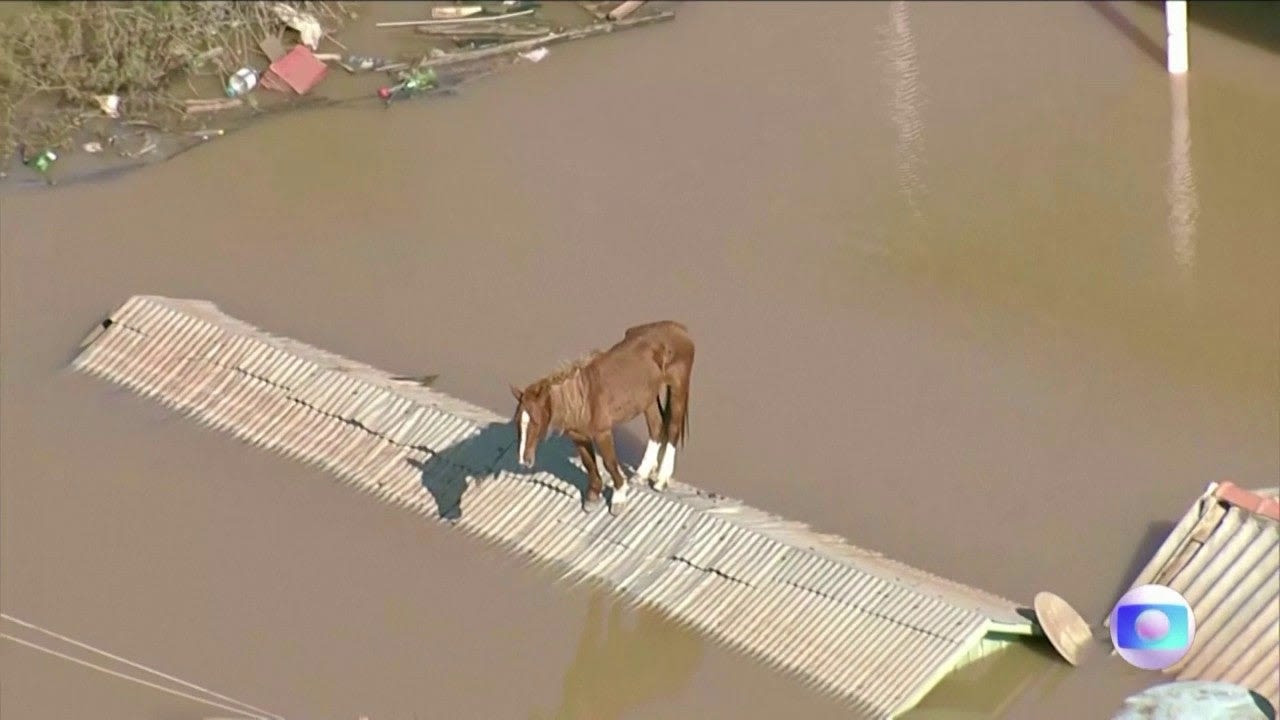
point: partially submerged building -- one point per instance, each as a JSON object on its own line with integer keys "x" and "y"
{"x": 1224, "y": 557}
{"x": 872, "y": 631}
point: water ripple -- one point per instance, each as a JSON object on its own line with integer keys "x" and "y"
{"x": 898, "y": 48}
{"x": 1184, "y": 203}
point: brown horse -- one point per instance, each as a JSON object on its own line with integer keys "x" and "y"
{"x": 586, "y": 399}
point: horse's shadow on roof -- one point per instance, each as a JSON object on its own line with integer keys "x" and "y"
{"x": 445, "y": 473}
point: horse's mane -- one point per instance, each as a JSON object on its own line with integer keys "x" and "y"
{"x": 568, "y": 369}
{"x": 570, "y": 406}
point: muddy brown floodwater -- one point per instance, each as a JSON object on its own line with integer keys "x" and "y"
{"x": 977, "y": 286}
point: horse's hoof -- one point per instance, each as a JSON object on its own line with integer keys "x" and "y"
{"x": 618, "y": 500}
{"x": 591, "y": 504}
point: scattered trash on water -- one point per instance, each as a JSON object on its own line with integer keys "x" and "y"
{"x": 624, "y": 9}
{"x": 535, "y": 55}
{"x": 244, "y": 80}
{"x": 486, "y": 32}
{"x": 450, "y": 21}
{"x": 273, "y": 48}
{"x": 211, "y": 105}
{"x": 42, "y": 161}
{"x": 110, "y": 104}
{"x": 456, "y": 11}
{"x": 149, "y": 145}
{"x": 299, "y": 70}
{"x": 362, "y": 63}
{"x": 414, "y": 81}
{"x": 206, "y": 134}
{"x": 308, "y": 27}
{"x": 593, "y": 8}
{"x": 475, "y": 31}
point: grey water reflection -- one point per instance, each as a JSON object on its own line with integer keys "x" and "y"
{"x": 625, "y": 658}
{"x": 899, "y": 52}
{"x": 1181, "y": 189}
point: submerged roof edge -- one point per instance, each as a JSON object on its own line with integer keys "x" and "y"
{"x": 144, "y": 342}
{"x": 963, "y": 649}
{"x": 799, "y": 535}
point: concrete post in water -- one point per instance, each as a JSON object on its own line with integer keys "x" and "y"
{"x": 1175, "y": 20}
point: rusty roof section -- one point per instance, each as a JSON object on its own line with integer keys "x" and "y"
{"x": 1258, "y": 502}
{"x": 1224, "y": 557}
{"x": 876, "y": 633}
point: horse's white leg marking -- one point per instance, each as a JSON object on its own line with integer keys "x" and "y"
{"x": 524, "y": 432}
{"x": 649, "y": 462}
{"x": 668, "y": 467}
{"x": 620, "y": 495}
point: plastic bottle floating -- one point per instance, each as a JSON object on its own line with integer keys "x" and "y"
{"x": 244, "y": 80}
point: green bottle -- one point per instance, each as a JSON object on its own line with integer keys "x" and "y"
{"x": 420, "y": 80}
{"x": 43, "y": 161}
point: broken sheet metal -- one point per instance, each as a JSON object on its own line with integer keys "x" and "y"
{"x": 1224, "y": 557}
{"x": 874, "y": 632}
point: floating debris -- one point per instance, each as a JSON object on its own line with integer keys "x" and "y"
{"x": 273, "y": 48}
{"x": 593, "y": 9}
{"x": 308, "y": 27}
{"x": 415, "y": 81}
{"x": 1067, "y": 631}
{"x": 483, "y": 37}
{"x": 214, "y": 105}
{"x": 244, "y": 80}
{"x": 473, "y": 19}
{"x": 455, "y": 12}
{"x": 148, "y": 145}
{"x": 519, "y": 46}
{"x": 535, "y": 55}
{"x": 300, "y": 70}
{"x": 492, "y": 31}
{"x": 362, "y": 63}
{"x": 42, "y": 161}
{"x": 206, "y": 134}
{"x": 624, "y": 9}
{"x": 110, "y": 104}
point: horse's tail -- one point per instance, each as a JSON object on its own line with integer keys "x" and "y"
{"x": 684, "y": 423}
{"x": 665, "y": 411}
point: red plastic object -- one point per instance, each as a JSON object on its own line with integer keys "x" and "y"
{"x": 299, "y": 70}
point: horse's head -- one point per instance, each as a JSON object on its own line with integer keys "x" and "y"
{"x": 532, "y": 418}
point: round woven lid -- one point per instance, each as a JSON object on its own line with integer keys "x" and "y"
{"x": 1066, "y": 630}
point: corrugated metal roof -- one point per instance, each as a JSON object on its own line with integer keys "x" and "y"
{"x": 874, "y": 632}
{"x": 1224, "y": 557}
